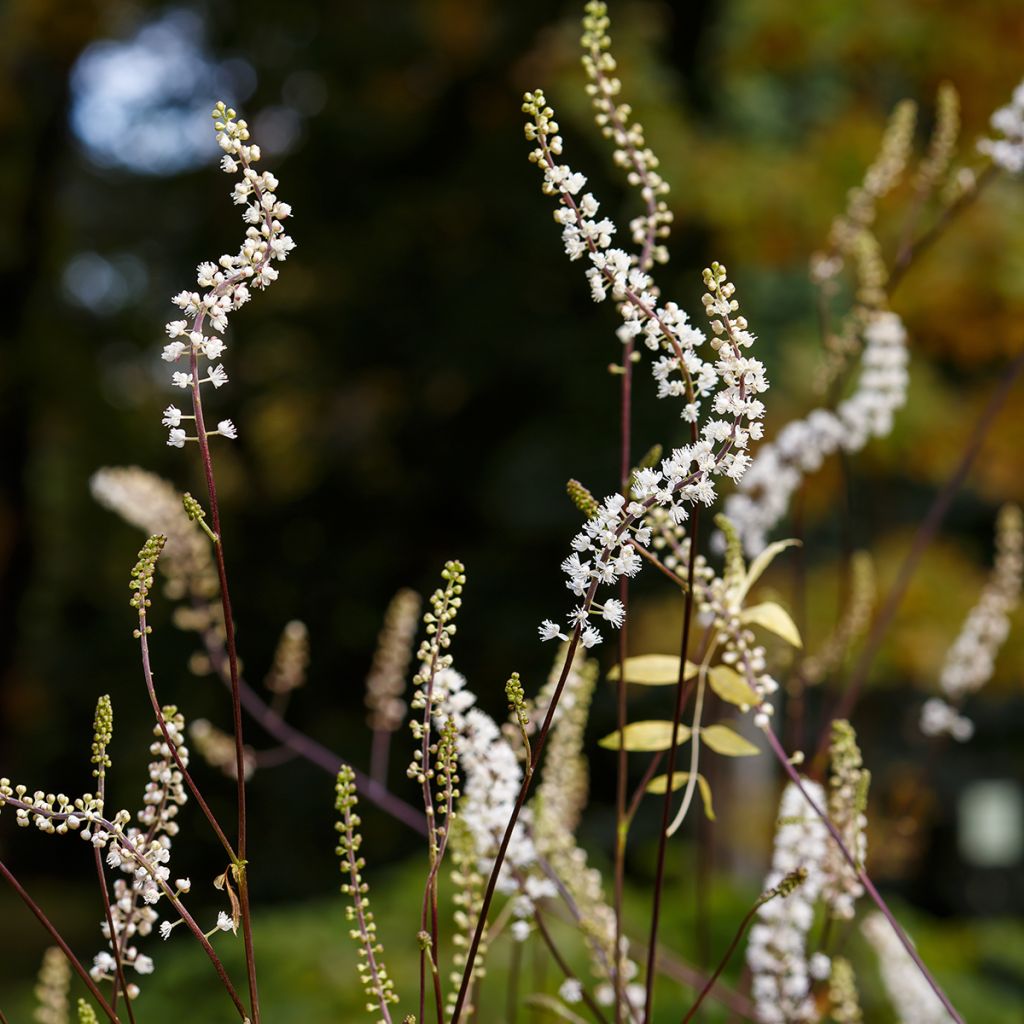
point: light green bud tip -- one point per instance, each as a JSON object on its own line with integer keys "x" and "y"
{"x": 86, "y": 1014}
{"x": 102, "y": 732}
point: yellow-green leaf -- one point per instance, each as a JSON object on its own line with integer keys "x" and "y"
{"x": 680, "y": 779}
{"x": 731, "y": 686}
{"x": 647, "y": 736}
{"x": 722, "y": 740}
{"x": 775, "y": 619}
{"x": 762, "y": 561}
{"x": 653, "y": 670}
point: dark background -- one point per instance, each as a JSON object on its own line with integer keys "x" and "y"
{"x": 429, "y": 370}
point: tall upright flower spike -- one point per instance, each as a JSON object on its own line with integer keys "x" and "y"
{"x": 291, "y": 659}
{"x": 631, "y": 152}
{"x": 141, "y": 582}
{"x": 970, "y": 662}
{"x": 377, "y": 984}
{"x": 777, "y": 951}
{"x": 102, "y": 733}
{"x": 764, "y": 493}
{"x": 1007, "y": 152}
{"x": 943, "y": 141}
{"x": 908, "y": 991}
{"x": 847, "y": 806}
{"x": 226, "y": 284}
{"x": 434, "y": 660}
{"x": 386, "y": 681}
{"x": 52, "y": 987}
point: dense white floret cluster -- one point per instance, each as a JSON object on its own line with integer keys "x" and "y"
{"x": 801, "y": 447}
{"x": 781, "y": 977}
{"x": 1008, "y": 152}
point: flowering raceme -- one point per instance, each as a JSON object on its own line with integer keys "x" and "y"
{"x": 227, "y": 283}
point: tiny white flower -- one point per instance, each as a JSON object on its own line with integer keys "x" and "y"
{"x": 224, "y": 922}
{"x": 549, "y": 631}
{"x": 213, "y": 348}
{"x": 143, "y": 964}
{"x": 571, "y": 990}
{"x": 173, "y": 351}
{"x": 614, "y": 612}
{"x": 183, "y": 884}
{"x": 181, "y": 380}
{"x": 176, "y": 438}
{"x": 227, "y": 429}
{"x": 172, "y": 416}
{"x": 176, "y": 328}
{"x": 520, "y": 930}
{"x": 218, "y": 376}
{"x": 590, "y": 637}
{"x": 228, "y": 165}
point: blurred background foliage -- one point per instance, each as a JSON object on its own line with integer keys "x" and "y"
{"x": 429, "y": 371}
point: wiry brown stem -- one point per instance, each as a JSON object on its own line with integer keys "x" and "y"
{"x": 59, "y": 940}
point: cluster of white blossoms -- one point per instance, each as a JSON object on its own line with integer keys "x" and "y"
{"x": 801, "y": 447}
{"x": 777, "y": 950}
{"x": 970, "y": 662}
{"x": 911, "y": 995}
{"x": 847, "y": 803}
{"x": 493, "y": 777}
{"x": 227, "y": 282}
{"x": 605, "y": 550}
{"x": 1008, "y": 152}
{"x": 146, "y": 854}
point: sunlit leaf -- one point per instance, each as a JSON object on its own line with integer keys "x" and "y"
{"x": 653, "y": 670}
{"x": 762, "y": 561}
{"x": 723, "y": 740}
{"x": 680, "y": 779}
{"x": 647, "y": 736}
{"x": 775, "y": 619}
{"x": 731, "y": 686}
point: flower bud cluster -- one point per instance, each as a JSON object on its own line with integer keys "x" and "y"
{"x": 226, "y": 283}
{"x": 847, "y": 804}
{"x": 434, "y": 661}
{"x": 631, "y": 153}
